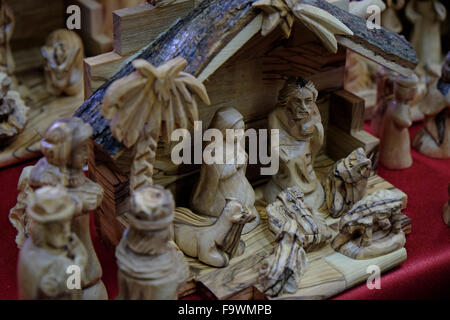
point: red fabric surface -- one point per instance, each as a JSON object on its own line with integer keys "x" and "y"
{"x": 425, "y": 274}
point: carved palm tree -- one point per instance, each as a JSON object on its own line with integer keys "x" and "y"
{"x": 149, "y": 103}
{"x": 283, "y": 13}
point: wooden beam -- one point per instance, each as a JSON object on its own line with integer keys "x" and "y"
{"x": 347, "y": 111}
{"x": 382, "y": 46}
{"x": 232, "y": 47}
{"x": 136, "y": 26}
{"x": 98, "y": 69}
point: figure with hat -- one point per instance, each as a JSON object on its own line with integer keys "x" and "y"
{"x": 301, "y": 136}
{"x": 66, "y": 147}
{"x": 51, "y": 249}
{"x": 150, "y": 265}
{"x": 395, "y": 148}
{"x": 219, "y": 181}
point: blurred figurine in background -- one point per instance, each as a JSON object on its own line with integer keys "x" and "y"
{"x": 7, "y": 24}
{"x": 395, "y": 149}
{"x": 385, "y": 93}
{"x": 66, "y": 148}
{"x": 434, "y": 139}
{"x": 63, "y": 54}
{"x": 13, "y": 111}
{"x": 46, "y": 256}
{"x": 426, "y": 16}
{"x": 389, "y": 17}
{"x": 150, "y": 265}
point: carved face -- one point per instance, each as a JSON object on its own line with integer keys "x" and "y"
{"x": 80, "y": 155}
{"x": 405, "y": 94}
{"x": 238, "y": 213}
{"x": 301, "y": 103}
{"x": 359, "y": 165}
{"x": 59, "y": 53}
{"x": 57, "y": 234}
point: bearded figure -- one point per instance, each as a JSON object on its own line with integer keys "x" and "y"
{"x": 301, "y": 136}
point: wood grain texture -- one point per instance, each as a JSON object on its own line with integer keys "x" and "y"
{"x": 132, "y": 28}
{"x": 376, "y": 44}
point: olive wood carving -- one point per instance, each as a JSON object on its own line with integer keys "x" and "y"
{"x": 149, "y": 102}
{"x": 283, "y": 12}
{"x": 218, "y": 181}
{"x": 434, "y": 139}
{"x": 281, "y": 271}
{"x": 372, "y": 228}
{"x": 51, "y": 249}
{"x": 63, "y": 55}
{"x": 13, "y": 112}
{"x": 301, "y": 136}
{"x": 297, "y": 229}
{"x": 213, "y": 243}
{"x": 347, "y": 182}
{"x": 395, "y": 148}
{"x": 66, "y": 147}
{"x": 290, "y": 206}
{"x": 150, "y": 266}
{"x": 426, "y": 16}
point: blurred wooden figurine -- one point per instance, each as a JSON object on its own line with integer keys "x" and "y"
{"x": 389, "y": 17}
{"x": 45, "y": 258}
{"x": 372, "y": 228}
{"x": 434, "y": 139}
{"x": 13, "y": 112}
{"x": 63, "y": 54}
{"x": 213, "y": 243}
{"x": 347, "y": 182}
{"x": 385, "y": 93}
{"x": 7, "y": 25}
{"x": 150, "y": 266}
{"x": 218, "y": 181}
{"x": 360, "y": 71}
{"x": 446, "y": 209}
{"x": 426, "y": 16}
{"x": 395, "y": 149}
{"x": 301, "y": 136}
{"x": 66, "y": 148}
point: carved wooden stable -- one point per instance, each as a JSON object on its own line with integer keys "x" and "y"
{"x": 222, "y": 44}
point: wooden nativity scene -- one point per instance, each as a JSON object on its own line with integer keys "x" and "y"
{"x": 226, "y": 229}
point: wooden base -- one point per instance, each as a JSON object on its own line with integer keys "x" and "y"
{"x": 44, "y": 109}
{"x": 328, "y": 274}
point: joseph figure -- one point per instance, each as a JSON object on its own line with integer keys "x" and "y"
{"x": 301, "y": 136}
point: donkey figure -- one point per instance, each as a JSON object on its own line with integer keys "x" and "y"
{"x": 212, "y": 243}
